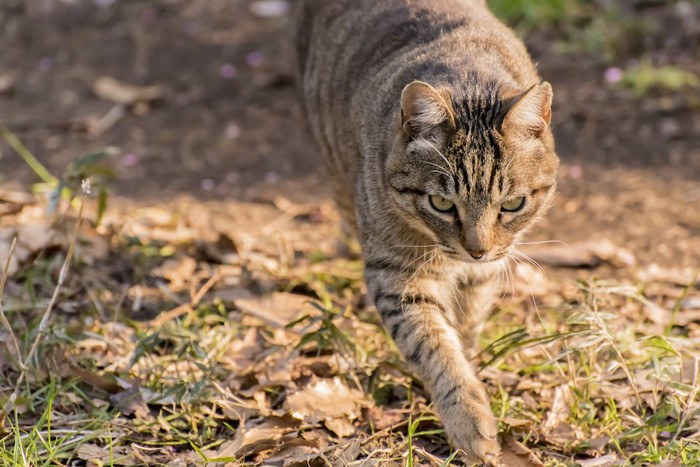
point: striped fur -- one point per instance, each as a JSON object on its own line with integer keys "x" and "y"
{"x": 412, "y": 98}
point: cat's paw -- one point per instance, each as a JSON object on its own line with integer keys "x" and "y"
{"x": 471, "y": 428}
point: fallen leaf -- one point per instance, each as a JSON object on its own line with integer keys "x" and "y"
{"x": 669, "y": 463}
{"x": 382, "y": 418}
{"x": 178, "y": 271}
{"x": 602, "y": 461}
{"x": 296, "y": 451}
{"x": 589, "y": 253}
{"x": 561, "y": 408}
{"x": 276, "y": 310}
{"x": 597, "y": 445}
{"x": 516, "y": 454}
{"x": 91, "y": 451}
{"x": 255, "y": 436}
{"x": 340, "y": 426}
{"x": 16, "y": 197}
{"x": 130, "y": 402}
{"x": 682, "y": 277}
{"x": 326, "y": 399}
{"x": 119, "y": 92}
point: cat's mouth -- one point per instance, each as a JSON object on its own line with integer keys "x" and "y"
{"x": 465, "y": 257}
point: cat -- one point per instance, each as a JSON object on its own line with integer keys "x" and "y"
{"x": 436, "y": 131}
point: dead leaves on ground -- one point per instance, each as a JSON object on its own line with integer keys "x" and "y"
{"x": 255, "y": 344}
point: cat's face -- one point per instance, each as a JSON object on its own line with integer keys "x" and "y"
{"x": 472, "y": 187}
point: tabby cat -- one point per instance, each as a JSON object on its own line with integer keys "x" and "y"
{"x": 435, "y": 126}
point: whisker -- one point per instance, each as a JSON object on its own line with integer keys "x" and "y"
{"x": 439, "y": 153}
{"x": 532, "y": 293}
{"x": 415, "y": 246}
{"x": 511, "y": 279}
{"x": 441, "y": 170}
{"x": 530, "y": 260}
{"x": 429, "y": 260}
{"x": 501, "y": 268}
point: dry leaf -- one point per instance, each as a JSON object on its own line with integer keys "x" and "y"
{"x": 294, "y": 452}
{"x": 383, "y": 418}
{"x": 340, "y": 426}
{"x": 21, "y": 198}
{"x": 89, "y": 452}
{"x": 130, "y": 402}
{"x": 31, "y": 238}
{"x": 128, "y": 94}
{"x": 255, "y": 437}
{"x": 580, "y": 254}
{"x": 326, "y": 399}
{"x": 347, "y": 454}
{"x": 179, "y": 271}
{"x": 608, "y": 460}
{"x": 516, "y": 454}
{"x": 561, "y": 408}
{"x": 277, "y": 310}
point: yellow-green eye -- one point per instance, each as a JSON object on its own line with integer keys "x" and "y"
{"x": 441, "y": 204}
{"x": 513, "y": 205}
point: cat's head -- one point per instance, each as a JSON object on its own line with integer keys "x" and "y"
{"x": 471, "y": 173}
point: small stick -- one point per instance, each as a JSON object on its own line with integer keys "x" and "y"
{"x": 9, "y": 405}
{"x": 3, "y": 280}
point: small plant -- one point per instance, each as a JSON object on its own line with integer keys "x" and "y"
{"x": 527, "y": 16}
{"x": 68, "y": 186}
{"x": 646, "y": 77}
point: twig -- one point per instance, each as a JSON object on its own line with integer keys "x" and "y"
{"x": 3, "y": 280}
{"x": 9, "y": 405}
{"x": 187, "y": 307}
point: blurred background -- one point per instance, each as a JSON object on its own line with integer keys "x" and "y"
{"x": 198, "y": 97}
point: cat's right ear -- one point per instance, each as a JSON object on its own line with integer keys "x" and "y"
{"x": 424, "y": 110}
{"x": 531, "y": 112}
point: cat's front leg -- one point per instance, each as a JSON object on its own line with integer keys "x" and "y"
{"x": 417, "y": 321}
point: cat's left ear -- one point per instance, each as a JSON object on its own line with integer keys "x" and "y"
{"x": 425, "y": 109}
{"x": 531, "y": 113}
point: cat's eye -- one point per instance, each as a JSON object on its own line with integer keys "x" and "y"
{"x": 441, "y": 204}
{"x": 513, "y": 205}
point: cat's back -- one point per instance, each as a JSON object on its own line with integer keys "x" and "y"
{"x": 353, "y": 58}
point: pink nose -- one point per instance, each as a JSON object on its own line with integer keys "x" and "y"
{"x": 476, "y": 254}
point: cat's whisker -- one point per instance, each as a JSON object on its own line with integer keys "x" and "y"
{"x": 526, "y": 257}
{"x": 408, "y": 266}
{"x": 441, "y": 173}
{"x": 415, "y": 246}
{"x": 439, "y": 153}
{"x": 429, "y": 260}
{"x": 511, "y": 279}
{"x": 441, "y": 170}
{"x": 542, "y": 323}
{"x": 532, "y": 293}
{"x": 456, "y": 298}
{"x": 501, "y": 269}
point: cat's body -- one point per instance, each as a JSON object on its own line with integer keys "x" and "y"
{"x": 435, "y": 127}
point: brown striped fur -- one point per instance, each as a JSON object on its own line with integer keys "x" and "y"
{"x": 412, "y": 98}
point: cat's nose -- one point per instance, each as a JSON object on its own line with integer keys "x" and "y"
{"x": 476, "y": 254}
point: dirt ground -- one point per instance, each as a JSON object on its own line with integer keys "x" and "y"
{"x": 229, "y": 126}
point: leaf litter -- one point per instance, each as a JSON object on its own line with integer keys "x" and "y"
{"x": 242, "y": 344}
